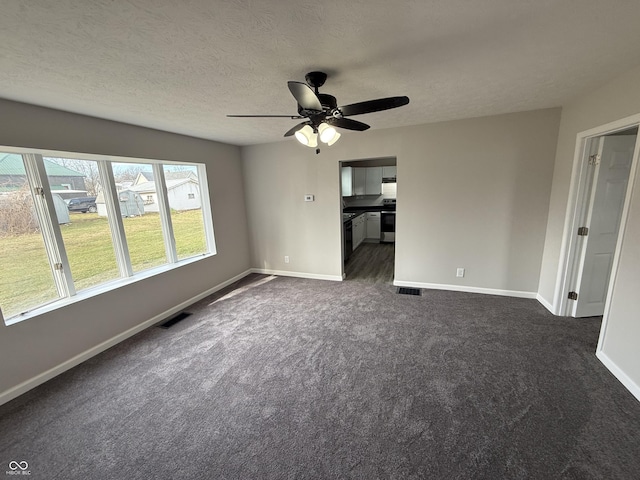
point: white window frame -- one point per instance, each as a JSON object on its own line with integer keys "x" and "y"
{"x": 54, "y": 242}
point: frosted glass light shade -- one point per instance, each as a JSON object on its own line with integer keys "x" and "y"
{"x": 327, "y": 133}
{"x": 307, "y": 136}
{"x": 334, "y": 139}
{"x": 304, "y": 135}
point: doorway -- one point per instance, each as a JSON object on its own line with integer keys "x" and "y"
{"x": 368, "y": 197}
{"x": 601, "y": 198}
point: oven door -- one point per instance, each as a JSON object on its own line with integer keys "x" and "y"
{"x": 387, "y": 227}
{"x": 348, "y": 239}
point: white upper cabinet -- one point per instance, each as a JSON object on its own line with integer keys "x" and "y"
{"x": 362, "y": 180}
{"x": 373, "y": 185}
{"x": 389, "y": 172}
{"x": 353, "y": 181}
{"x": 359, "y": 181}
{"x": 347, "y": 181}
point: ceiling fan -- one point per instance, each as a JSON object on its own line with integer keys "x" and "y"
{"x": 322, "y": 114}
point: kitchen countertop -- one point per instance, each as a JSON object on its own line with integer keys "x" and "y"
{"x": 348, "y": 216}
{"x": 376, "y": 208}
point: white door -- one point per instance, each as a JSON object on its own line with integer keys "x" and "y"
{"x": 603, "y": 221}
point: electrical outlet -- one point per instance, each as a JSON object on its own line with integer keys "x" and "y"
{"x": 460, "y": 272}
{"x": 286, "y": 259}
{"x": 309, "y": 198}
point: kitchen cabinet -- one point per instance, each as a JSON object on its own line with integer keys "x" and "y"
{"x": 373, "y": 225}
{"x": 353, "y": 181}
{"x": 347, "y": 181}
{"x": 358, "y": 230}
{"x": 359, "y": 181}
{"x": 373, "y": 181}
{"x": 389, "y": 172}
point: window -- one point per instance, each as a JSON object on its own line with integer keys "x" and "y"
{"x": 142, "y": 223}
{"x": 26, "y": 276}
{"x": 100, "y": 231}
{"x": 186, "y": 215}
{"x": 85, "y": 234}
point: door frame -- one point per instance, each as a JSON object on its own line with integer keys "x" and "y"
{"x": 576, "y": 208}
{"x": 341, "y": 163}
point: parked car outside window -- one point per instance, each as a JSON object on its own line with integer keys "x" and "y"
{"x": 83, "y": 204}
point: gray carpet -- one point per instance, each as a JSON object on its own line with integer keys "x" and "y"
{"x": 301, "y": 379}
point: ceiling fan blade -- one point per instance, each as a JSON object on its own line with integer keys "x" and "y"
{"x": 373, "y": 105}
{"x": 295, "y": 129}
{"x": 294, "y": 117}
{"x": 305, "y": 96}
{"x": 347, "y": 123}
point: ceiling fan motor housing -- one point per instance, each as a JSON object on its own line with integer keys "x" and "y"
{"x": 316, "y": 79}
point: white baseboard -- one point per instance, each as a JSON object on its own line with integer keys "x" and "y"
{"x": 464, "y": 288}
{"x": 617, "y": 372}
{"x": 24, "y": 387}
{"x": 284, "y": 273}
{"x": 545, "y": 304}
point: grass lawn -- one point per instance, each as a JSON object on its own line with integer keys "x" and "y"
{"x": 25, "y": 276}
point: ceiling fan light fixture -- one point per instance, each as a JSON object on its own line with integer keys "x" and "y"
{"x": 327, "y": 134}
{"x": 334, "y": 139}
{"x": 321, "y": 112}
{"x": 305, "y": 136}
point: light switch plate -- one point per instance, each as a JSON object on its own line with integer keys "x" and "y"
{"x": 308, "y": 198}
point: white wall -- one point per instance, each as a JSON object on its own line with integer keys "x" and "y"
{"x": 471, "y": 193}
{"x": 616, "y": 100}
{"x": 620, "y": 349}
{"x": 32, "y": 347}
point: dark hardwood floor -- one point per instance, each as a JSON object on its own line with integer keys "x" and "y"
{"x": 371, "y": 263}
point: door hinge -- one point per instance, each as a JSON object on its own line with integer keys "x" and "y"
{"x": 583, "y": 231}
{"x": 58, "y": 266}
{"x": 594, "y": 159}
{"x": 573, "y": 295}
{"x": 39, "y": 191}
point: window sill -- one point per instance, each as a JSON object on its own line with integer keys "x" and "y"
{"x": 103, "y": 288}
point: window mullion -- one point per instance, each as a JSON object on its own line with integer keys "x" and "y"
{"x": 114, "y": 215}
{"x": 205, "y": 201}
{"x": 48, "y": 220}
{"x": 165, "y": 213}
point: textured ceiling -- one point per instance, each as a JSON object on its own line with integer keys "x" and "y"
{"x": 181, "y": 66}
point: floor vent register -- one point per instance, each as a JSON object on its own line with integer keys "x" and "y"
{"x": 173, "y": 320}
{"x": 409, "y": 291}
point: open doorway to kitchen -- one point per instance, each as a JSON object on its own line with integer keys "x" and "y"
{"x": 368, "y": 216}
